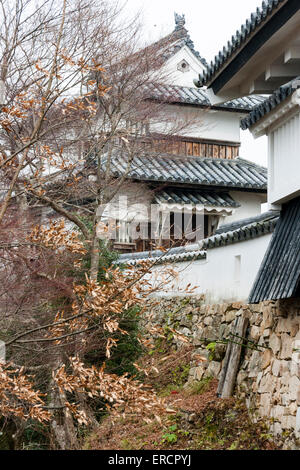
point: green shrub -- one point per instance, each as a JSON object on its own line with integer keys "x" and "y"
{"x": 198, "y": 388}
{"x": 128, "y": 349}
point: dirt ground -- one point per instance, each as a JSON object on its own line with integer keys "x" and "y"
{"x": 202, "y": 420}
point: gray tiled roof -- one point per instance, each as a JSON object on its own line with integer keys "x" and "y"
{"x": 244, "y": 232}
{"x": 196, "y": 97}
{"x": 182, "y": 38}
{"x": 237, "y": 173}
{"x": 265, "y": 217}
{"x": 185, "y": 196}
{"x": 271, "y": 103}
{"x": 185, "y": 40}
{"x": 178, "y": 254}
{"x": 173, "y": 42}
{"x": 279, "y": 274}
{"x": 245, "y": 103}
{"x": 237, "y": 41}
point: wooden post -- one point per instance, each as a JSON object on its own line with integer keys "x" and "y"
{"x": 234, "y": 360}
{"x": 226, "y": 362}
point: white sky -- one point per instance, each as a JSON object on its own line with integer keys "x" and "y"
{"x": 211, "y": 23}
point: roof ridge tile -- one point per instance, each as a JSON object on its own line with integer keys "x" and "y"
{"x": 243, "y": 233}
{"x": 264, "y": 108}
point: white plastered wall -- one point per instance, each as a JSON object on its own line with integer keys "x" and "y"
{"x": 206, "y": 124}
{"x": 284, "y": 160}
{"x": 250, "y": 206}
{"x": 227, "y": 274}
{"x": 173, "y": 76}
{"x": 199, "y": 123}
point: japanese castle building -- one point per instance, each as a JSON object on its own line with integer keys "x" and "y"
{"x": 199, "y": 169}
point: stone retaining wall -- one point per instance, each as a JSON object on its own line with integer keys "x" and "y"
{"x": 269, "y": 381}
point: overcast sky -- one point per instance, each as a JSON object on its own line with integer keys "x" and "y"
{"x": 211, "y": 23}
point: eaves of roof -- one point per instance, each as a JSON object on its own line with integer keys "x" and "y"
{"x": 173, "y": 42}
{"x": 195, "y": 171}
{"x": 271, "y": 103}
{"x": 195, "y": 197}
{"x": 186, "y": 41}
{"x": 243, "y": 233}
{"x": 157, "y": 257}
{"x": 279, "y": 274}
{"x": 237, "y": 224}
{"x": 198, "y": 251}
{"x": 252, "y": 25}
{"x": 192, "y": 96}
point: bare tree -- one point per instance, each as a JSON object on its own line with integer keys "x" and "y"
{"x": 50, "y": 123}
{"x": 78, "y": 91}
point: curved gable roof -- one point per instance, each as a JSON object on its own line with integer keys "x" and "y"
{"x": 179, "y": 38}
{"x": 239, "y": 39}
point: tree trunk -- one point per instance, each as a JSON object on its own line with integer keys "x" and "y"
{"x": 62, "y": 426}
{"x": 95, "y": 256}
{"x": 93, "y": 423}
{"x": 95, "y": 248}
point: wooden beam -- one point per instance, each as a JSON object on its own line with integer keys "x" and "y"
{"x": 234, "y": 359}
{"x": 256, "y": 43}
{"x": 226, "y": 362}
{"x": 284, "y": 71}
{"x": 292, "y": 55}
{"x": 261, "y": 87}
